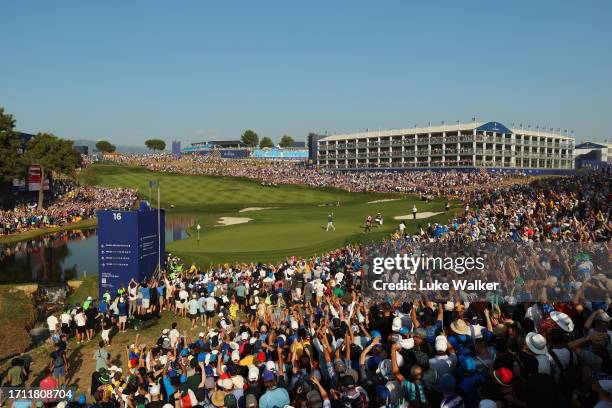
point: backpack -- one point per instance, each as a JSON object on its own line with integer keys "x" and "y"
{"x": 571, "y": 376}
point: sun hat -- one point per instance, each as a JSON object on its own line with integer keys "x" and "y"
{"x": 218, "y": 398}
{"x": 238, "y": 381}
{"x": 563, "y": 321}
{"x": 536, "y": 343}
{"x": 460, "y": 327}
{"x": 441, "y": 343}
{"x": 407, "y": 344}
{"x": 503, "y": 376}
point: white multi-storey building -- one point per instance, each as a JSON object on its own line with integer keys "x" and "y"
{"x": 469, "y": 145}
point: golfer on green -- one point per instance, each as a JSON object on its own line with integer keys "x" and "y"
{"x": 330, "y": 222}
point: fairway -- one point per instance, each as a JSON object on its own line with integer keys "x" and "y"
{"x": 291, "y": 219}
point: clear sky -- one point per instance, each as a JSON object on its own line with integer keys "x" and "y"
{"x": 126, "y": 71}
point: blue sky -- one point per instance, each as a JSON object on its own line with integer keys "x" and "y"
{"x": 126, "y": 71}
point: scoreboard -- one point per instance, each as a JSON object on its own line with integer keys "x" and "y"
{"x": 130, "y": 245}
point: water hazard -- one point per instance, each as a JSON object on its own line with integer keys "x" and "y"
{"x": 65, "y": 255}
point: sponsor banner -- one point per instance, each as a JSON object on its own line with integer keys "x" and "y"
{"x": 34, "y": 173}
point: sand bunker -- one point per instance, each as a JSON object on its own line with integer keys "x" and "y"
{"x": 420, "y": 215}
{"x": 225, "y": 221}
{"x": 255, "y": 209}
{"x": 383, "y": 201}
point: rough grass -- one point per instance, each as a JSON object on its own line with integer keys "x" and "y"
{"x": 17, "y": 315}
{"x": 80, "y": 356}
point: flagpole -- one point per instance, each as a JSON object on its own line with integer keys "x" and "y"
{"x": 158, "y": 229}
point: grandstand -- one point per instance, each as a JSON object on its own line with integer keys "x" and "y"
{"x": 463, "y": 146}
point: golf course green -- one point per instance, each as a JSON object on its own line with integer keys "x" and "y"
{"x": 268, "y": 223}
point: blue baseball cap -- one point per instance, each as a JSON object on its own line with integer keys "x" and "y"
{"x": 468, "y": 364}
{"x": 375, "y": 333}
{"x": 268, "y": 376}
{"x": 403, "y": 331}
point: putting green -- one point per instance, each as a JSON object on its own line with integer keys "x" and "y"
{"x": 292, "y": 221}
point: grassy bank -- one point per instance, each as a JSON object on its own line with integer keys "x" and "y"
{"x": 22, "y": 236}
{"x": 17, "y": 315}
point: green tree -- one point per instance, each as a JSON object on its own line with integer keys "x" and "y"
{"x": 11, "y": 163}
{"x": 155, "y": 144}
{"x": 286, "y": 141}
{"x": 266, "y": 142}
{"x": 53, "y": 155}
{"x": 250, "y": 138}
{"x": 105, "y": 147}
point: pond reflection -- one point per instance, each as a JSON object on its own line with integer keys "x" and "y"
{"x": 65, "y": 255}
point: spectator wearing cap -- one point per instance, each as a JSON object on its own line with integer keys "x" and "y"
{"x": 253, "y": 386}
{"x": 155, "y": 397}
{"x": 445, "y": 359}
{"x": 535, "y": 345}
{"x": 274, "y": 396}
{"x": 470, "y": 381}
{"x": 413, "y": 389}
{"x": 499, "y": 387}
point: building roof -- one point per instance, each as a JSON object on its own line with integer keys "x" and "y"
{"x": 593, "y": 145}
{"x": 486, "y": 126}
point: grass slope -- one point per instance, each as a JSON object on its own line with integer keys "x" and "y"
{"x": 295, "y": 226}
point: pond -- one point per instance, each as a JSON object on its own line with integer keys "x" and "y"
{"x": 65, "y": 255}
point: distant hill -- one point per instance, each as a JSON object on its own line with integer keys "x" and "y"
{"x": 91, "y": 144}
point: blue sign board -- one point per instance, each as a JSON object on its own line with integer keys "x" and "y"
{"x": 129, "y": 246}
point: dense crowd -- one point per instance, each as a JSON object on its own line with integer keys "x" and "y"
{"x": 70, "y": 203}
{"x": 426, "y": 183}
{"x": 309, "y": 332}
{"x": 301, "y": 333}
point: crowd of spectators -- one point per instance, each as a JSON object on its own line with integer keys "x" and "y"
{"x": 70, "y": 203}
{"x": 305, "y": 332}
{"x": 425, "y": 183}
